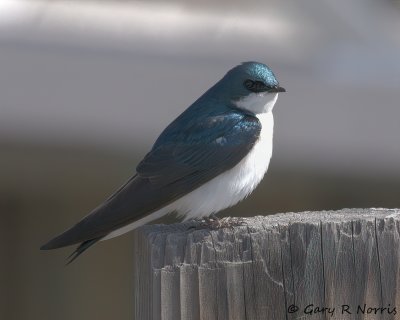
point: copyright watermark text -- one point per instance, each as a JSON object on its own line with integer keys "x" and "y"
{"x": 312, "y": 309}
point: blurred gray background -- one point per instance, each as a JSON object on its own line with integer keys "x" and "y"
{"x": 86, "y": 87}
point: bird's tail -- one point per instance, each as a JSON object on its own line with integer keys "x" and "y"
{"x": 81, "y": 248}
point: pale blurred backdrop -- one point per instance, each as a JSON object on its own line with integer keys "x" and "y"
{"x": 87, "y": 86}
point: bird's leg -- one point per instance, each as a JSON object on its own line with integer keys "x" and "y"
{"x": 212, "y": 218}
{"x": 212, "y": 221}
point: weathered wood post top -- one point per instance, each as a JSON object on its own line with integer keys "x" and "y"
{"x": 309, "y": 265}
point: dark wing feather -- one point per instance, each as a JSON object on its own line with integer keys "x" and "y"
{"x": 204, "y": 149}
{"x": 184, "y": 157}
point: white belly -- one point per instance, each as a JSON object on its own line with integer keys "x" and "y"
{"x": 223, "y": 191}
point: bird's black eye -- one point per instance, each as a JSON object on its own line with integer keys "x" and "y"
{"x": 255, "y": 86}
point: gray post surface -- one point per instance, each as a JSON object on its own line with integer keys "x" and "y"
{"x": 284, "y": 266}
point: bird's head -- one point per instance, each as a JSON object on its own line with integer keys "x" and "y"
{"x": 250, "y": 86}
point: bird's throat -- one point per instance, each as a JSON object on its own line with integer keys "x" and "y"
{"x": 258, "y": 103}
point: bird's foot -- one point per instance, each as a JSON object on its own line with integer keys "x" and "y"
{"x": 213, "y": 222}
{"x": 211, "y": 218}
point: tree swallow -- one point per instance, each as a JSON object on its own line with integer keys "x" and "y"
{"x": 209, "y": 158}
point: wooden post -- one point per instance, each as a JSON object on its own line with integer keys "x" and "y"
{"x": 284, "y": 266}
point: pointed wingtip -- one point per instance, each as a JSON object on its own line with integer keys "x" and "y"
{"x": 60, "y": 241}
{"x": 49, "y": 245}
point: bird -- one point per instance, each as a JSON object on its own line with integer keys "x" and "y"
{"x": 209, "y": 158}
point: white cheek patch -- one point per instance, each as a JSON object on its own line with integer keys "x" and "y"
{"x": 258, "y": 102}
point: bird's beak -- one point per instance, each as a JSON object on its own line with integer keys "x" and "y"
{"x": 277, "y": 89}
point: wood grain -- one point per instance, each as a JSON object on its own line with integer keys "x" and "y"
{"x": 347, "y": 261}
